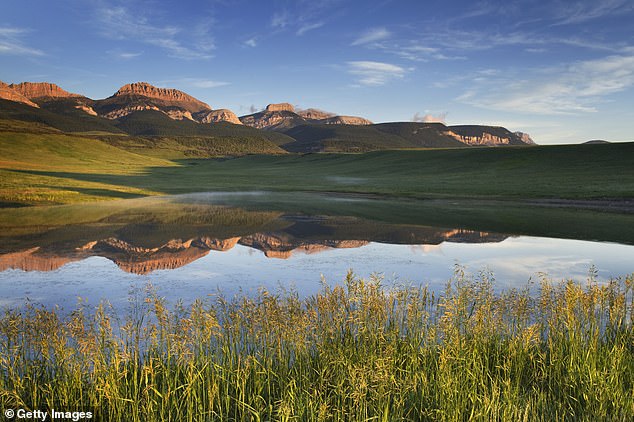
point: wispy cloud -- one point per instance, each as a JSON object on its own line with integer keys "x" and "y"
{"x": 195, "y": 83}
{"x": 309, "y": 27}
{"x": 280, "y": 19}
{"x": 372, "y": 73}
{"x": 583, "y": 11}
{"x": 11, "y": 42}
{"x": 120, "y": 23}
{"x": 251, "y": 42}
{"x": 574, "y": 88}
{"x": 372, "y": 36}
{"x": 422, "y": 53}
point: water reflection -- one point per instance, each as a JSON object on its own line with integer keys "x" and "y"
{"x": 192, "y": 245}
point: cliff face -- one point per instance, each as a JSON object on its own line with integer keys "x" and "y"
{"x": 221, "y": 115}
{"x": 33, "y": 90}
{"x": 273, "y": 120}
{"x": 280, "y": 107}
{"x": 283, "y": 116}
{"x": 489, "y": 135}
{"x": 168, "y": 95}
{"x": 8, "y": 93}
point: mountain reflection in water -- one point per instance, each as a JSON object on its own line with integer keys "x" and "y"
{"x": 301, "y": 235}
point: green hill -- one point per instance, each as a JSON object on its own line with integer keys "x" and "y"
{"x": 155, "y": 123}
{"x": 26, "y": 155}
{"x": 341, "y": 138}
{"x": 424, "y": 135}
{"x": 364, "y": 138}
{"x": 65, "y": 118}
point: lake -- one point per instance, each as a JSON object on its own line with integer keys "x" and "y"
{"x": 199, "y": 245}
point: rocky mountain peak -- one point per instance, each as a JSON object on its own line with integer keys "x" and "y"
{"x": 220, "y": 115}
{"x": 8, "y": 93}
{"x": 169, "y": 95}
{"x": 280, "y": 107}
{"x": 32, "y": 90}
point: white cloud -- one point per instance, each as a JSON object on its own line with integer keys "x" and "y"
{"x": 280, "y": 20}
{"x": 119, "y": 23}
{"x": 309, "y": 27}
{"x": 372, "y": 36}
{"x": 251, "y": 42}
{"x": 430, "y": 118}
{"x": 375, "y": 73}
{"x": 11, "y": 42}
{"x": 128, "y": 55}
{"x": 578, "y": 87}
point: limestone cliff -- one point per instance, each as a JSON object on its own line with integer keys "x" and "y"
{"x": 215, "y": 116}
{"x": 8, "y": 93}
{"x": 283, "y": 116}
{"x": 280, "y": 107}
{"x": 168, "y": 95}
{"x": 33, "y": 90}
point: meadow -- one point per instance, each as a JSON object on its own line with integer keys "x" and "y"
{"x": 355, "y": 352}
{"x": 58, "y": 168}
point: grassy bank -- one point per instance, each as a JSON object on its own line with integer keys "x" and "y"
{"x": 356, "y": 352}
{"x": 56, "y": 168}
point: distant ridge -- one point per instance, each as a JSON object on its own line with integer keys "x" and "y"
{"x": 283, "y": 116}
{"x": 142, "y": 109}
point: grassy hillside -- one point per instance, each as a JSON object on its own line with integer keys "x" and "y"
{"x": 72, "y": 120}
{"x": 354, "y": 138}
{"x": 24, "y": 156}
{"x": 341, "y": 138}
{"x": 155, "y": 123}
{"x": 179, "y": 147}
{"x": 427, "y": 135}
{"x": 570, "y": 171}
{"x": 548, "y": 172}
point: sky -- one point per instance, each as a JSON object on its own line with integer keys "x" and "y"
{"x": 562, "y": 71}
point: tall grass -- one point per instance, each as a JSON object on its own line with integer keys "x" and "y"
{"x": 357, "y": 352}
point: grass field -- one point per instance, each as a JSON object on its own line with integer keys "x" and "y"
{"x": 356, "y": 352}
{"x": 55, "y": 168}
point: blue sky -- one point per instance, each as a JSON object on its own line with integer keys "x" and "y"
{"x": 562, "y": 71}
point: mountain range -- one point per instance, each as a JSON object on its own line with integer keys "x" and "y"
{"x": 141, "y": 109}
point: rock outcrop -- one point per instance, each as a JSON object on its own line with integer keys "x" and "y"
{"x": 35, "y": 90}
{"x": 488, "y": 135}
{"x": 8, "y": 93}
{"x": 168, "y": 95}
{"x": 280, "y": 107}
{"x": 525, "y": 137}
{"x": 220, "y": 115}
{"x": 283, "y": 116}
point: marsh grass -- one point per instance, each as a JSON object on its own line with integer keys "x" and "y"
{"x": 357, "y": 352}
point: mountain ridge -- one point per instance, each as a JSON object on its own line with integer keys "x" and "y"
{"x": 135, "y": 109}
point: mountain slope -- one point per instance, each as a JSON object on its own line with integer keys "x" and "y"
{"x": 283, "y": 116}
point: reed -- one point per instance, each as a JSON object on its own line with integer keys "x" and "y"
{"x": 359, "y": 351}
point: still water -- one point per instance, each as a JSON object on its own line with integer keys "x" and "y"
{"x": 193, "y": 246}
